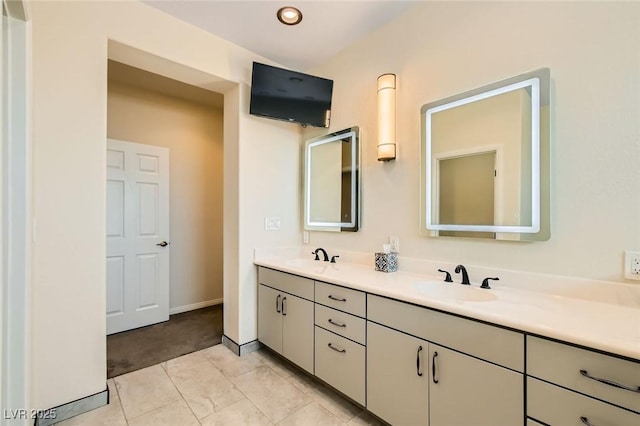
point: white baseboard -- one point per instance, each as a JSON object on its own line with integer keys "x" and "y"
{"x": 191, "y": 307}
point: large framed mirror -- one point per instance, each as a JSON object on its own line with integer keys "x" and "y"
{"x": 332, "y": 182}
{"x": 485, "y": 161}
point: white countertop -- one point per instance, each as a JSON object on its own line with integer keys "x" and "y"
{"x": 609, "y": 327}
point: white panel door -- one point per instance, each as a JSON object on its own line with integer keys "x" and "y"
{"x": 137, "y": 234}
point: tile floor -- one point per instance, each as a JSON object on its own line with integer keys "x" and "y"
{"x": 215, "y": 387}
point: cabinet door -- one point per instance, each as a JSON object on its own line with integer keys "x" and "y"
{"x": 468, "y": 391}
{"x": 397, "y": 376}
{"x": 297, "y": 331}
{"x": 270, "y": 317}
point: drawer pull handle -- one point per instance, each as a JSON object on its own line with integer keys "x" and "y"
{"x": 418, "y": 361}
{"x": 342, "y": 351}
{"x": 586, "y": 421}
{"x": 609, "y": 382}
{"x": 278, "y": 303}
{"x": 433, "y": 368}
{"x": 337, "y": 324}
{"x": 338, "y": 299}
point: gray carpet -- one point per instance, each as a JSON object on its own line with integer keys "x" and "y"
{"x": 182, "y": 334}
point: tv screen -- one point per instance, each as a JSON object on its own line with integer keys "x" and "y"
{"x": 290, "y": 96}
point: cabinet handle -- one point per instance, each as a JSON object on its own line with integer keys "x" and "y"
{"x": 338, "y": 299}
{"x": 342, "y": 351}
{"x": 284, "y": 306}
{"x": 609, "y": 382}
{"x": 337, "y": 324}
{"x": 418, "y": 361}
{"x": 278, "y": 303}
{"x": 433, "y": 368}
{"x": 586, "y": 421}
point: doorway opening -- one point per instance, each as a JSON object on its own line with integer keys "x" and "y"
{"x": 468, "y": 190}
{"x": 149, "y": 115}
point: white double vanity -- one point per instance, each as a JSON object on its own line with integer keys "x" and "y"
{"x": 415, "y": 350}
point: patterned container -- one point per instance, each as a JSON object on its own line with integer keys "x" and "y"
{"x": 386, "y": 262}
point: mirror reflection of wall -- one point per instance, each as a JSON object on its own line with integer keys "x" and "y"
{"x": 467, "y": 194}
{"x": 481, "y": 168}
{"x": 331, "y": 201}
{"x": 326, "y": 182}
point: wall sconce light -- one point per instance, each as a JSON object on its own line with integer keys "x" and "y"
{"x": 387, "y": 117}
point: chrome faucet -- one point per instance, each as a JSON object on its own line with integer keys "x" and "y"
{"x": 465, "y": 276}
{"x": 324, "y": 253}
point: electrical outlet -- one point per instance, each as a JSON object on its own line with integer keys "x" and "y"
{"x": 271, "y": 223}
{"x": 394, "y": 242}
{"x": 632, "y": 265}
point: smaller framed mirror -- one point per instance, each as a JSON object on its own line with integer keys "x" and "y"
{"x": 332, "y": 182}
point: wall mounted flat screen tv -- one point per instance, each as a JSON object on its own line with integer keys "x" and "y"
{"x": 290, "y": 96}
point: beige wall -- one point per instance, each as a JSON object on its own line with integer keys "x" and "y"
{"x": 439, "y": 49}
{"x": 71, "y": 44}
{"x": 194, "y": 135}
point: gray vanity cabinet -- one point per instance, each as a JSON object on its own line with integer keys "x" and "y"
{"x": 285, "y": 316}
{"x": 340, "y": 350}
{"x": 571, "y": 385}
{"x": 469, "y": 391}
{"x": 397, "y": 376}
{"x": 467, "y": 373}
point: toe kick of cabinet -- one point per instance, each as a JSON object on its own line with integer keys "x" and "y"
{"x": 341, "y": 363}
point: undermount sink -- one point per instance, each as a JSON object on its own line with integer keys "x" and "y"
{"x": 443, "y": 290}
{"x": 307, "y": 264}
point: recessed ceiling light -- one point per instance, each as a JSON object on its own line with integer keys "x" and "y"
{"x": 289, "y": 15}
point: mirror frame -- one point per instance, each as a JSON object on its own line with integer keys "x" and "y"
{"x": 539, "y": 80}
{"x": 352, "y": 226}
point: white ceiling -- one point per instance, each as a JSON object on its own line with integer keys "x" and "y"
{"x": 327, "y": 26}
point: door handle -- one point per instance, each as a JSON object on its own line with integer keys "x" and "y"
{"x": 342, "y": 351}
{"x": 418, "y": 361}
{"x": 163, "y": 244}
{"x": 284, "y": 306}
{"x": 278, "y": 304}
{"x": 337, "y": 324}
{"x": 434, "y": 377}
{"x": 338, "y": 299}
{"x": 586, "y": 374}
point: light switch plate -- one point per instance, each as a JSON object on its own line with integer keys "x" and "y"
{"x": 271, "y": 223}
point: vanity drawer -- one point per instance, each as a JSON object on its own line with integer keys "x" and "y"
{"x": 494, "y": 344}
{"x": 341, "y": 298}
{"x": 562, "y": 364}
{"x": 341, "y": 323}
{"x": 341, "y": 363}
{"x": 293, "y": 284}
{"x": 556, "y": 406}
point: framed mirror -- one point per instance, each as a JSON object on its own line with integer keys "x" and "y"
{"x": 332, "y": 182}
{"x": 485, "y": 161}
